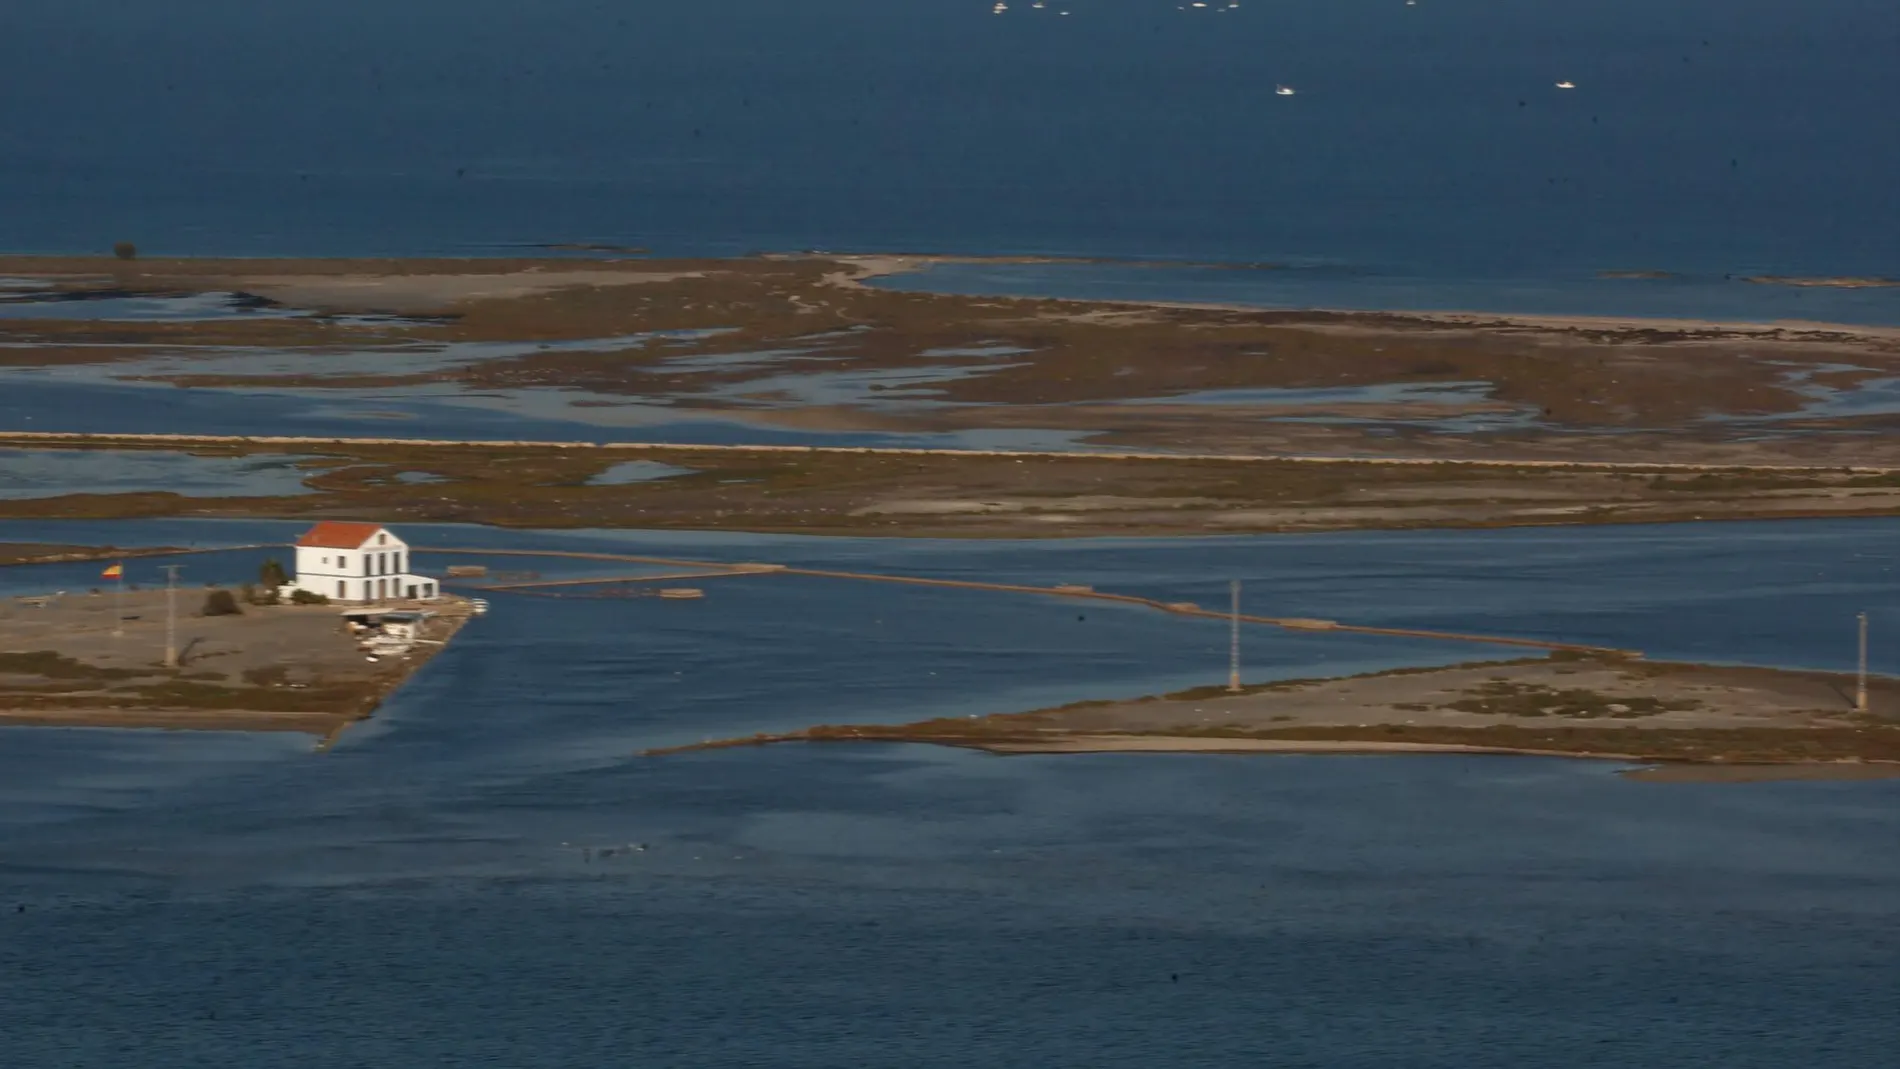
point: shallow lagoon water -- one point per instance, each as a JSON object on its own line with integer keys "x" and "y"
{"x": 1392, "y": 289}
{"x": 142, "y": 308}
{"x": 421, "y": 894}
{"x": 33, "y": 473}
{"x": 43, "y": 403}
{"x": 637, "y": 471}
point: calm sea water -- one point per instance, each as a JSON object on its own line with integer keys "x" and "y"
{"x": 419, "y": 896}
{"x": 1426, "y": 142}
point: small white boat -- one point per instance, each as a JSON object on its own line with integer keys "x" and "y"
{"x": 999, "y": 8}
{"x": 1283, "y": 90}
{"x": 1566, "y": 84}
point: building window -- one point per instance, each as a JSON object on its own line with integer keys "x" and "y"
{"x": 382, "y": 539}
{"x": 342, "y": 562}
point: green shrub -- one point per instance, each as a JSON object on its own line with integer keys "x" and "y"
{"x": 307, "y": 597}
{"x": 221, "y": 603}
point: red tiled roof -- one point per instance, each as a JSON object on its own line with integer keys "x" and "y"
{"x": 331, "y": 534}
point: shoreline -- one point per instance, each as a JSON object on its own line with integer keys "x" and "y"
{"x": 874, "y": 266}
{"x": 1641, "y": 767}
{"x": 283, "y": 274}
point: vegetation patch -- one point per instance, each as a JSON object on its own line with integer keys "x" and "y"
{"x": 1503, "y": 697}
{"x": 48, "y": 664}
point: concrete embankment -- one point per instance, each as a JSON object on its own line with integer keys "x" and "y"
{"x": 716, "y": 569}
{"x": 41, "y": 438}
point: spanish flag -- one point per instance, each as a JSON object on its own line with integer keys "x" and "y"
{"x": 117, "y": 571}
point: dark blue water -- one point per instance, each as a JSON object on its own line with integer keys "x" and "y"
{"x": 419, "y": 895}
{"x": 1426, "y": 142}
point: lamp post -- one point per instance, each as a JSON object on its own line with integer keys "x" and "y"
{"x": 1233, "y": 636}
{"x": 171, "y": 614}
{"x": 1860, "y": 689}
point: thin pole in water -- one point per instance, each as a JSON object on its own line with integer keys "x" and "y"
{"x": 171, "y": 614}
{"x": 1860, "y": 691}
{"x": 1233, "y": 636}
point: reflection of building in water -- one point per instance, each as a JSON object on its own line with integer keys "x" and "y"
{"x": 358, "y": 562}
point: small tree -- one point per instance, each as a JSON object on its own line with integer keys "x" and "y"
{"x": 272, "y": 575}
{"x": 125, "y": 250}
{"x": 307, "y": 597}
{"x": 221, "y": 603}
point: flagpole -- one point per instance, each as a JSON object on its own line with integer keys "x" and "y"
{"x": 118, "y": 601}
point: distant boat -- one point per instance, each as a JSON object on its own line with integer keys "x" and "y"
{"x": 1000, "y": 7}
{"x": 1566, "y": 84}
{"x": 1283, "y": 90}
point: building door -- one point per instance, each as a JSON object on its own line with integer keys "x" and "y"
{"x": 412, "y": 593}
{"x": 340, "y": 587}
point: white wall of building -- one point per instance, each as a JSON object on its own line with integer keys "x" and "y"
{"x": 375, "y": 571}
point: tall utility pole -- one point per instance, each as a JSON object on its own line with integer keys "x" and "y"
{"x": 1860, "y": 691}
{"x": 171, "y": 614}
{"x": 1233, "y": 636}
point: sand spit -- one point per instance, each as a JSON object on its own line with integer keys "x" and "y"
{"x": 434, "y": 293}
{"x": 1618, "y": 709}
{"x": 864, "y": 268}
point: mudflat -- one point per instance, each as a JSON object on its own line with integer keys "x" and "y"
{"x": 955, "y": 493}
{"x": 736, "y": 337}
{"x": 1151, "y": 407}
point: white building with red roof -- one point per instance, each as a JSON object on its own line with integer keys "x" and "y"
{"x": 358, "y": 562}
